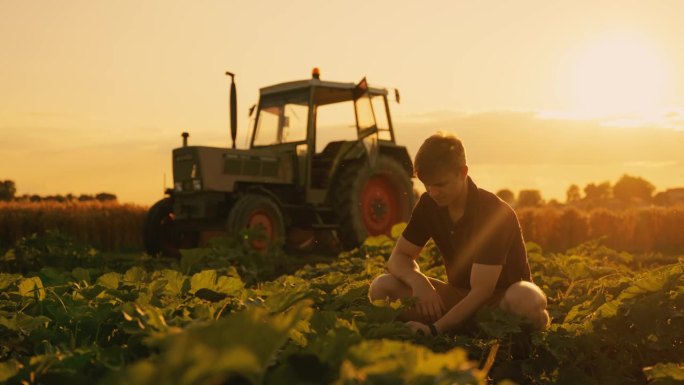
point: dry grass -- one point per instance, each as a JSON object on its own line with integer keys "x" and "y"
{"x": 634, "y": 230}
{"x": 114, "y": 226}
{"x": 104, "y": 225}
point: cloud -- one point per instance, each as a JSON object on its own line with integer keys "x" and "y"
{"x": 507, "y": 137}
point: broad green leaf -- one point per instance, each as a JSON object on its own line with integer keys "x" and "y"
{"x": 81, "y": 274}
{"x": 286, "y": 298}
{"x": 384, "y": 310}
{"x": 391, "y": 330}
{"x": 398, "y": 229}
{"x": 378, "y": 241}
{"x": 661, "y": 371}
{"x": 205, "y": 279}
{"x": 577, "y": 312}
{"x": 403, "y": 362}
{"x": 6, "y": 280}
{"x": 175, "y": 281}
{"x": 9, "y": 369}
{"x": 24, "y": 323}
{"x": 9, "y": 323}
{"x": 156, "y": 286}
{"x": 109, "y": 280}
{"x": 241, "y": 344}
{"x": 229, "y": 285}
{"x": 139, "y": 373}
{"x": 498, "y": 323}
{"x": 649, "y": 283}
{"x": 135, "y": 275}
{"x": 32, "y": 287}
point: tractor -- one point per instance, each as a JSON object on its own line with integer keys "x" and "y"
{"x": 293, "y": 184}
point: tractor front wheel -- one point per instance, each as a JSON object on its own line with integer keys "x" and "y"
{"x": 259, "y": 214}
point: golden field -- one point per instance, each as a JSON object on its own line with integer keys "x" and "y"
{"x": 636, "y": 230}
{"x": 103, "y": 225}
{"x": 114, "y": 226}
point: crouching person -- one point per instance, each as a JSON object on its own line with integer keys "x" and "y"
{"x": 481, "y": 243}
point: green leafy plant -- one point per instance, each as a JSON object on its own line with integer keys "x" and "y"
{"x": 223, "y": 315}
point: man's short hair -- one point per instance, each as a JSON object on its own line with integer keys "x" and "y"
{"x": 439, "y": 153}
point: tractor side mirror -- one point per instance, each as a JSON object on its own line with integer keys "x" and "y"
{"x": 397, "y": 97}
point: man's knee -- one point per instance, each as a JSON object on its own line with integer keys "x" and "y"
{"x": 527, "y": 300}
{"x": 385, "y": 286}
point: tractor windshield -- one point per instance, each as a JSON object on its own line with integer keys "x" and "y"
{"x": 282, "y": 119}
{"x": 365, "y": 119}
{"x": 371, "y": 115}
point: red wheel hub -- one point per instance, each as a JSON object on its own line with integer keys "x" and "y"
{"x": 379, "y": 205}
{"x": 260, "y": 219}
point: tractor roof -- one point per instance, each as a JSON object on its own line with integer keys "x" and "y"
{"x": 336, "y": 91}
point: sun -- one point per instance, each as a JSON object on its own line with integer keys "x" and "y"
{"x": 618, "y": 75}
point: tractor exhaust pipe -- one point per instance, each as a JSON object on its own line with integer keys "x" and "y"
{"x": 233, "y": 108}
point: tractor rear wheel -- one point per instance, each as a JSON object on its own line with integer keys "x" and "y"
{"x": 161, "y": 234}
{"x": 259, "y": 213}
{"x": 369, "y": 201}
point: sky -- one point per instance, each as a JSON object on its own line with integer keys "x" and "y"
{"x": 95, "y": 94}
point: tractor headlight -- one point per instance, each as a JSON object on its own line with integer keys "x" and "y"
{"x": 178, "y": 186}
{"x": 196, "y": 184}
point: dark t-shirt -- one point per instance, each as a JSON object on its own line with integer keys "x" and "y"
{"x": 488, "y": 233}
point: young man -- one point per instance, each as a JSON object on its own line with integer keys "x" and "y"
{"x": 481, "y": 243}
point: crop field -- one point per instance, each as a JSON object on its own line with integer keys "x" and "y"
{"x": 224, "y": 315}
{"x": 110, "y": 226}
{"x": 104, "y": 225}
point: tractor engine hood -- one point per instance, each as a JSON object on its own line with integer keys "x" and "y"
{"x": 199, "y": 168}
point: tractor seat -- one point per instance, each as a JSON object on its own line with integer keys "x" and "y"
{"x": 330, "y": 150}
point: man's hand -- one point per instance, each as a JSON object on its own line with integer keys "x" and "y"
{"x": 430, "y": 304}
{"x": 416, "y": 326}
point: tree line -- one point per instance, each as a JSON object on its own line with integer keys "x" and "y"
{"x": 628, "y": 191}
{"x": 8, "y": 191}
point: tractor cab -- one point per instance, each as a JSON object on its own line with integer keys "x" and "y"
{"x": 318, "y": 121}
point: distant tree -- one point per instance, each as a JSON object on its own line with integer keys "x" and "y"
{"x": 632, "y": 188}
{"x": 507, "y": 196}
{"x": 85, "y": 198}
{"x": 661, "y": 199}
{"x": 530, "y": 198}
{"x": 35, "y": 198}
{"x": 573, "y": 194}
{"x": 7, "y": 190}
{"x": 554, "y": 203}
{"x": 601, "y": 192}
{"x": 102, "y": 197}
{"x": 54, "y": 198}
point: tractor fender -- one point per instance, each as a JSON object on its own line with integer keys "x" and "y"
{"x": 400, "y": 154}
{"x": 352, "y": 151}
{"x": 259, "y": 189}
{"x": 356, "y": 151}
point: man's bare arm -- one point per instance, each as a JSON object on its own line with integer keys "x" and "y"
{"x": 402, "y": 265}
{"x": 483, "y": 280}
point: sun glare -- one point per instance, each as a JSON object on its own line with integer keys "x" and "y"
{"x": 621, "y": 75}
